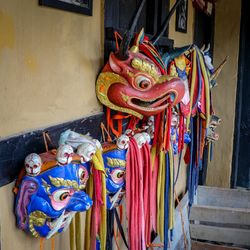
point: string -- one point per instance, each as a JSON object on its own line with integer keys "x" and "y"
{"x": 182, "y": 222}
{"x": 41, "y": 243}
{"x": 52, "y": 243}
{"x": 45, "y": 141}
{"x": 103, "y": 128}
{"x": 72, "y": 235}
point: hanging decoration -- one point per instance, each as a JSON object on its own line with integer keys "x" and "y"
{"x": 51, "y": 191}
{"x": 158, "y": 107}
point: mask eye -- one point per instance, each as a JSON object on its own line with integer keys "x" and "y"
{"x": 83, "y": 175}
{"x": 60, "y": 198}
{"x": 143, "y": 82}
{"x": 61, "y": 195}
{"x": 64, "y": 196}
{"x": 117, "y": 176}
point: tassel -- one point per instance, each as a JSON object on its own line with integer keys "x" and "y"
{"x": 193, "y": 79}
{"x": 160, "y": 195}
{"x": 207, "y": 88}
{"x": 100, "y": 202}
{"x": 87, "y": 236}
{"x": 171, "y": 190}
{"x": 78, "y": 231}
{"x": 72, "y": 235}
{"x": 41, "y": 243}
{"x": 52, "y": 243}
{"x": 166, "y": 208}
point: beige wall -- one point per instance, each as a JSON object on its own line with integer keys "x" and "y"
{"x": 49, "y": 60}
{"x": 182, "y": 39}
{"x": 226, "y": 42}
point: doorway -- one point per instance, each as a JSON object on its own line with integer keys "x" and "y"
{"x": 241, "y": 156}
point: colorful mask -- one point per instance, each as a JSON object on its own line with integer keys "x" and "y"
{"x": 115, "y": 166}
{"x": 33, "y": 164}
{"x": 135, "y": 81}
{"x": 47, "y": 202}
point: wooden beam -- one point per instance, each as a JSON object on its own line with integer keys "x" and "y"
{"x": 221, "y": 234}
{"x": 216, "y": 214}
{"x": 13, "y": 150}
{"x": 223, "y": 197}
{"x": 196, "y": 245}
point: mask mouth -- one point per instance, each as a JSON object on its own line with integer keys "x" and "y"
{"x": 60, "y": 223}
{"x": 161, "y": 101}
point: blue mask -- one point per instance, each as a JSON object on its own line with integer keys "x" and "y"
{"x": 115, "y": 167}
{"x": 47, "y": 202}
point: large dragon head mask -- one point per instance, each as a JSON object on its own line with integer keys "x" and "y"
{"x": 134, "y": 79}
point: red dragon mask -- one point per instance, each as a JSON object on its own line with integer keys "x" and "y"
{"x": 134, "y": 80}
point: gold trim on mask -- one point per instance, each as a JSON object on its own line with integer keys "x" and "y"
{"x": 59, "y": 182}
{"x": 104, "y": 81}
{"x": 36, "y": 218}
{"x": 146, "y": 67}
{"x": 114, "y": 162}
{"x": 164, "y": 78}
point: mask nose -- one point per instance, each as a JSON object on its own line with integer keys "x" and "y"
{"x": 79, "y": 202}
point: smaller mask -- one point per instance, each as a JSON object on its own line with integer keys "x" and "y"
{"x": 64, "y": 154}
{"x": 122, "y": 142}
{"x": 47, "y": 202}
{"x": 142, "y": 138}
{"x": 129, "y": 132}
{"x": 86, "y": 151}
{"x": 151, "y": 127}
{"x": 97, "y": 144}
{"x": 175, "y": 120}
{"x": 33, "y": 164}
{"x": 115, "y": 167}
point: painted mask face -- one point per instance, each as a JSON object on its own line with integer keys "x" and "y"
{"x": 64, "y": 154}
{"x": 122, "y": 142}
{"x": 46, "y": 203}
{"x": 142, "y": 138}
{"x": 33, "y": 164}
{"x": 86, "y": 151}
{"x": 138, "y": 84}
{"x": 115, "y": 166}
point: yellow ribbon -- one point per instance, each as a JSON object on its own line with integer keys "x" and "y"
{"x": 171, "y": 189}
{"x": 160, "y": 194}
{"x": 78, "y": 231}
{"x": 193, "y": 78}
{"x": 72, "y": 235}
{"x": 99, "y": 165}
{"x": 207, "y": 87}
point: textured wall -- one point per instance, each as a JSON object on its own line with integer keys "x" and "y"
{"x": 182, "y": 39}
{"x": 226, "y": 42}
{"x": 49, "y": 60}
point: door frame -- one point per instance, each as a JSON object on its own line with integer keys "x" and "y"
{"x": 238, "y": 106}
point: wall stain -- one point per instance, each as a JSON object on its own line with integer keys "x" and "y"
{"x": 31, "y": 62}
{"x": 7, "y": 32}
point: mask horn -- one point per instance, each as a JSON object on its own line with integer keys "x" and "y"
{"x": 165, "y": 23}
{"x": 129, "y": 34}
{"x": 218, "y": 70}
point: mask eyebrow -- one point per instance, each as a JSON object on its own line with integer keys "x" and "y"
{"x": 114, "y": 162}
{"x": 60, "y": 182}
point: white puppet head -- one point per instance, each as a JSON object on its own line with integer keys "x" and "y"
{"x": 142, "y": 138}
{"x": 33, "y": 164}
{"x": 86, "y": 151}
{"x": 122, "y": 142}
{"x": 64, "y": 154}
